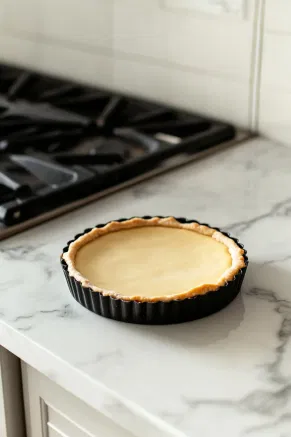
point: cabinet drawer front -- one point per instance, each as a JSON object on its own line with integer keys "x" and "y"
{"x": 55, "y": 433}
{"x": 53, "y": 412}
{"x": 60, "y": 425}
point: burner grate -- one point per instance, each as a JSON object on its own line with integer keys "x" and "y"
{"x": 61, "y": 141}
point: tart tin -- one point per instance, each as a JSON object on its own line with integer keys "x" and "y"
{"x": 155, "y": 313}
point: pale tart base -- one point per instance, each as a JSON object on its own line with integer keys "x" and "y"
{"x": 132, "y": 260}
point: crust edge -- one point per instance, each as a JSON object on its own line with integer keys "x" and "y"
{"x": 237, "y": 255}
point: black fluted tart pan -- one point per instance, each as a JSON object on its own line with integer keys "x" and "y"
{"x": 160, "y": 312}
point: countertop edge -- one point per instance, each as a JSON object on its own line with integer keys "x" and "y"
{"x": 120, "y": 410}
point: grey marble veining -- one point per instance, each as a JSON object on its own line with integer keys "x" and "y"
{"x": 227, "y": 375}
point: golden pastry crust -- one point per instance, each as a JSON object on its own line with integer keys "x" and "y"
{"x": 237, "y": 255}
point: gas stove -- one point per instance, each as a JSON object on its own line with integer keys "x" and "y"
{"x": 63, "y": 144}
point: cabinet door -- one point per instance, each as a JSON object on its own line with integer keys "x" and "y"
{"x": 53, "y": 412}
{"x": 11, "y": 424}
{"x": 2, "y": 414}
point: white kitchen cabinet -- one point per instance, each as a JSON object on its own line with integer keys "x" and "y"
{"x": 11, "y": 400}
{"x": 2, "y": 414}
{"x": 53, "y": 412}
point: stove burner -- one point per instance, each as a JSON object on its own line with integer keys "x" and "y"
{"x": 60, "y": 141}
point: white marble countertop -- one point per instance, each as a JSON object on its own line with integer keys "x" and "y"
{"x": 227, "y": 375}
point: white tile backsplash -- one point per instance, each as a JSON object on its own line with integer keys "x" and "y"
{"x": 274, "y": 119}
{"x": 139, "y": 30}
{"x": 276, "y": 65}
{"x": 277, "y": 16}
{"x": 197, "y": 54}
{"x": 144, "y": 79}
{"x": 211, "y": 95}
{"x": 220, "y": 46}
{"x": 74, "y": 22}
{"x": 153, "y": 48}
{"x": 187, "y": 60}
{"x": 84, "y": 66}
{"x": 221, "y": 7}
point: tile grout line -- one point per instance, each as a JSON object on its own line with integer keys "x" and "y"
{"x": 256, "y": 67}
{"x": 110, "y": 53}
